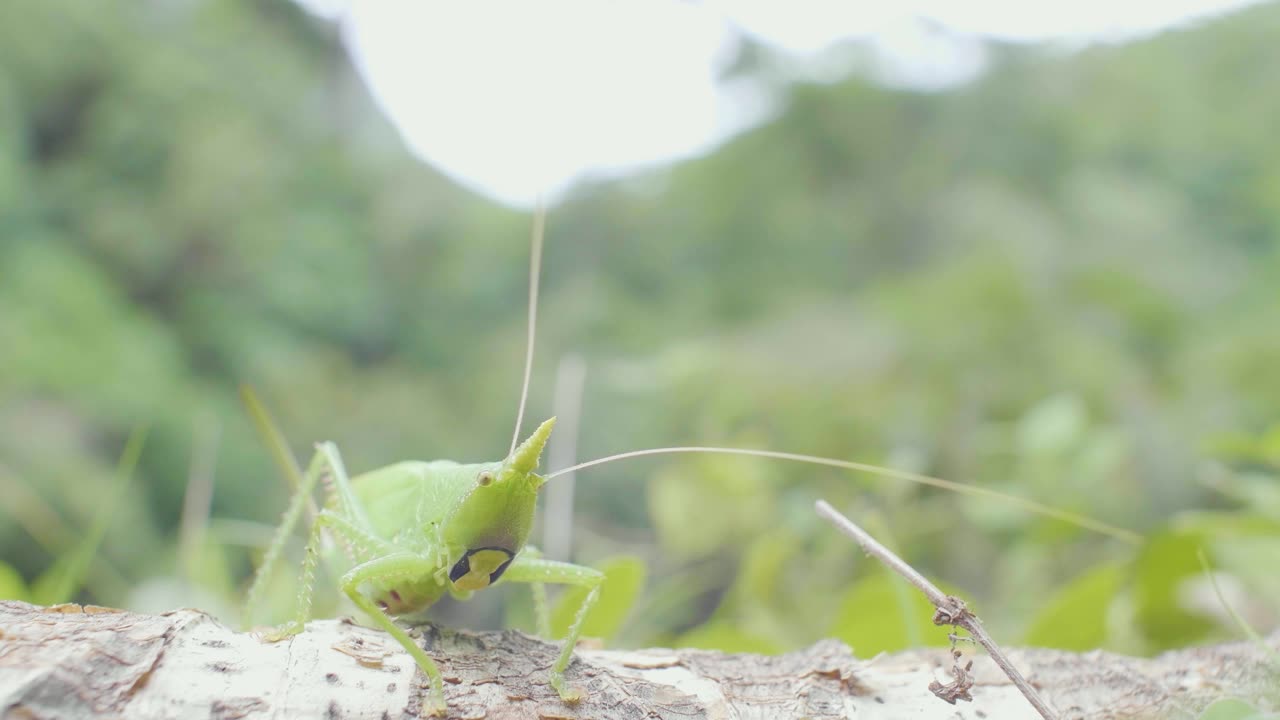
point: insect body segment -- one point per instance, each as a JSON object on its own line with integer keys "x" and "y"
{"x": 416, "y": 530}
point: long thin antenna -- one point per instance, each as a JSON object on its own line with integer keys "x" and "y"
{"x": 1029, "y": 505}
{"x": 535, "y": 270}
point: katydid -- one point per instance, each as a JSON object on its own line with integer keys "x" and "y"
{"x": 415, "y": 531}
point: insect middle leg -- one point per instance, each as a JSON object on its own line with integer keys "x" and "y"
{"x": 537, "y": 571}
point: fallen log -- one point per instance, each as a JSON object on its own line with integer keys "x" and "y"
{"x": 72, "y": 661}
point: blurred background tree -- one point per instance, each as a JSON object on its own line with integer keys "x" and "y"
{"x": 1059, "y": 281}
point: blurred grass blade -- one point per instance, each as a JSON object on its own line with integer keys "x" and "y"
{"x": 61, "y": 582}
{"x": 196, "y": 502}
{"x": 43, "y": 523}
{"x": 1235, "y": 616}
{"x": 275, "y": 441}
{"x": 30, "y": 512}
{"x": 11, "y": 585}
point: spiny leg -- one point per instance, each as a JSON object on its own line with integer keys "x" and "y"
{"x": 389, "y": 567}
{"x": 326, "y": 455}
{"x": 541, "y": 610}
{"x": 348, "y": 506}
{"x": 536, "y": 570}
{"x": 290, "y": 520}
{"x": 365, "y": 546}
{"x": 362, "y": 541}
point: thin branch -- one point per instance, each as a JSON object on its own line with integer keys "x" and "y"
{"x": 950, "y": 610}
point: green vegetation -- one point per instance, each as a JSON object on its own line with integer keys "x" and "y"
{"x": 1059, "y": 282}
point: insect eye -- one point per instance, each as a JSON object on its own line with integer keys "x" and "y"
{"x": 485, "y": 478}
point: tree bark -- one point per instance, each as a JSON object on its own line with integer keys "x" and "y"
{"x": 70, "y": 661}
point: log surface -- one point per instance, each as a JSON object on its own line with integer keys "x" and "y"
{"x": 71, "y": 661}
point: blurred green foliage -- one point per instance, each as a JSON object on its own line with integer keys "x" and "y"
{"x": 623, "y": 582}
{"x": 1059, "y": 282}
{"x": 1231, "y": 709}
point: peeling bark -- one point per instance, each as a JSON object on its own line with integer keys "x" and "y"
{"x": 70, "y": 661}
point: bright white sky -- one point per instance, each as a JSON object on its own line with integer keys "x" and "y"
{"x": 517, "y": 98}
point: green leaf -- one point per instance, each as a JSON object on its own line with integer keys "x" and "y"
{"x": 1053, "y": 425}
{"x": 1230, "y": 709}
{"x": 1257, "y": 492}
{"x": 12, "y": 586}
{"x": 682, "y": 496}
{"x": 1164, "y": 563}
{"x": 882, "y": 613}
{"x": 1264, "y": 448}
{"x": 726, "y": 636}
{"x": 1217, "y": 523}
{"x": 762, "y": 574}
{"x": 1253, "y": 561}
{"x": 623, "y": 580}
{"x": 1269, "y": 446}
{"x": 1076, "y": 617}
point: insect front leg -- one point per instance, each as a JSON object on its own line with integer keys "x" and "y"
{"x": 396, "y": 566}
{"x": 536, "y": 570}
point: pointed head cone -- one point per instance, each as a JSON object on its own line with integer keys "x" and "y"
{"x": 524, "y": 459}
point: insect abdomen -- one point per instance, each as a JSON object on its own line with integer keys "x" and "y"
{"x": 407, "y": 597}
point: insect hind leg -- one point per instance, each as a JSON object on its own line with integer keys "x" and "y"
{"x": 347, "y": 504}
{"x": 364, "y": 547}
{"x": 288, "y": 522}
{"x": 348, "y": 521}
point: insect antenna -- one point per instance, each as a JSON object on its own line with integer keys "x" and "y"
{"x": 535, "y": 270}
{"x": 973, "y": 490}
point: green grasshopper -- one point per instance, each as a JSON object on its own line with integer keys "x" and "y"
{"x": 418, "y": 530}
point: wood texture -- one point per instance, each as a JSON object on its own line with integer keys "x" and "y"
{"x": 79, "y": 662}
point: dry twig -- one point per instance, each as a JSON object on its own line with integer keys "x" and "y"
{"x": 951, "y": 610}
